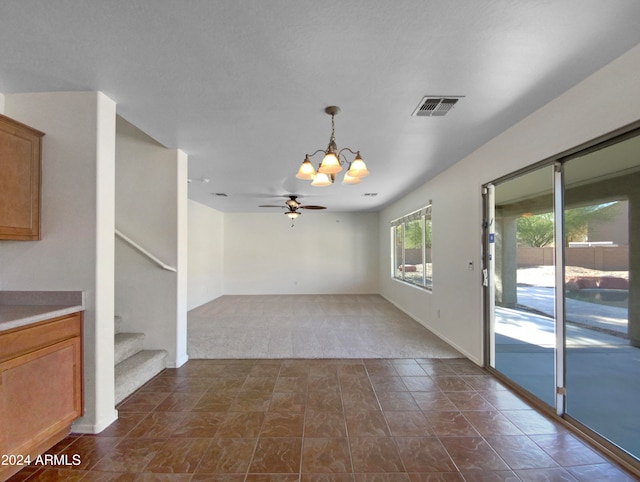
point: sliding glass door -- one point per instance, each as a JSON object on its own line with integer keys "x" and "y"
{"x": 521, "y": 233}
{"x": 602, "y": 241}
{"x": 563, "y": 286}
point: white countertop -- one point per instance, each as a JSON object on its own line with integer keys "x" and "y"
{"x": 21, "y": 308}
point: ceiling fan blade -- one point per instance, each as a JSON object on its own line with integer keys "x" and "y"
{"x": 312, "y": 207}
{"x": 271, "y": 206}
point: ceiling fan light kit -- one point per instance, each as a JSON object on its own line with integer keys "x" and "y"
{"x": 292, "y": 207}
{"x": 332, "y": 161}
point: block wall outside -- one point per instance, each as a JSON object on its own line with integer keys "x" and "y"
{"x": 595, "y": 257}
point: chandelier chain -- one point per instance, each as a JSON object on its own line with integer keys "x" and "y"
{"x": 333, "y": 128}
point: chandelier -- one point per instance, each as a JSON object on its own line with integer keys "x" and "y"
{"x": 333, "y": 161}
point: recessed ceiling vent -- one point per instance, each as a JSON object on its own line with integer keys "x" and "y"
{"x": 432, "y": 106}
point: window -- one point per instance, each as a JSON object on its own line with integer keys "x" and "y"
{"x": 411, "y": 250}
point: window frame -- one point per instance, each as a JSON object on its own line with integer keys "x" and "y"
{"x": 423, "y": 215}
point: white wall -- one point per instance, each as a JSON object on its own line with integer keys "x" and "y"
{"x": 607, "y": 100}
{"x": 76, "y": 249}
{"x": 151, "y": 204}
{"x": 182, "y": 256}
{"x": 324, "y": 253}
{"x": 206, "y": 244}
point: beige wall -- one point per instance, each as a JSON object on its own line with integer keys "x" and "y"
{"x": 149, "y": 200}
{"x": 595, "y": 257}
{"x": 615, "y": 230}
{"x": 77, "y": 245}
{"x": 324, "y": 253}
{"x": 454, "y": 309}
{"x": 206, "y": 244}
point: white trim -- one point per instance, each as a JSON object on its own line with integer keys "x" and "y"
{"x": 558, "y": 232}
{"x": 491, "y": 270}
{"x": 454, "y": 345}
{"x": 89, "y": 428}
{"x": 178, "y": 363}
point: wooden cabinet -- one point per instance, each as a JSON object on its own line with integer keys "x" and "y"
{"x": 20, "y": 164}
{"x": 40, "y": 386}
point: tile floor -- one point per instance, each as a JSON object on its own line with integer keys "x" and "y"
{"x": 328, "y": 420}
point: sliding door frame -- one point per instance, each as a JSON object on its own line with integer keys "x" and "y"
{"x": 559, "y": 411}
{"x": 560, "y": 336}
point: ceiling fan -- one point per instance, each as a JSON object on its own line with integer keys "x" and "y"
{"x": 292, "y": 205}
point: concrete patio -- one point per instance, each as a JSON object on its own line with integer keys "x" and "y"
{"x": 601, "y": 366}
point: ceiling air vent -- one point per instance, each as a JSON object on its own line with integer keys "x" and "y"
{"x": 432, "y": 106}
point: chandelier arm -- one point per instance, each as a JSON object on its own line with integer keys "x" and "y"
{"x": 350, "y": 150}
{"x": 319, "y": 150}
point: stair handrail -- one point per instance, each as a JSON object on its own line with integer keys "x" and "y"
{"x": 143, "y": 251}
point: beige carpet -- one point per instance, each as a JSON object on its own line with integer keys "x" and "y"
{"x": 309, "y": 326}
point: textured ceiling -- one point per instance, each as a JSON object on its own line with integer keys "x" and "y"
{"x": 241, "y": 85}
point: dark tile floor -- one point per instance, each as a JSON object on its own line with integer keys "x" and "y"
{"x": 328, "y": 420}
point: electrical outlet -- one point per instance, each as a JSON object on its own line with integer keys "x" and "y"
{"x": 470, "y": 265}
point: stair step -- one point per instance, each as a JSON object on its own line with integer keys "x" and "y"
{"x": 135, "y": 371}
{"x": 126, "y": 345}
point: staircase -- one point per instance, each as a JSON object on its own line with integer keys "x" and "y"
{"x": 133, "y": 365}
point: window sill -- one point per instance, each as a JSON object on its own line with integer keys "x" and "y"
{"x": 428, "y": 289}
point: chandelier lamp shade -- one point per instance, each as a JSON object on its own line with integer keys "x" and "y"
{"x": 333, "y": 161}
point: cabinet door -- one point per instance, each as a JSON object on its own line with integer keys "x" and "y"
{"x": 20, "y": 155}
{"x": 40, "y": 394}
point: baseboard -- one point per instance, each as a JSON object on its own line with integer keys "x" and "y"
{"x": 205, "y": 302}
{"x": 436, "y": 333}
{"x": 177, "y": 363}
{"x": 81, "y": 425}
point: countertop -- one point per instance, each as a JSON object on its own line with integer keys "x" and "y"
{"x": 21, "y": 308}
